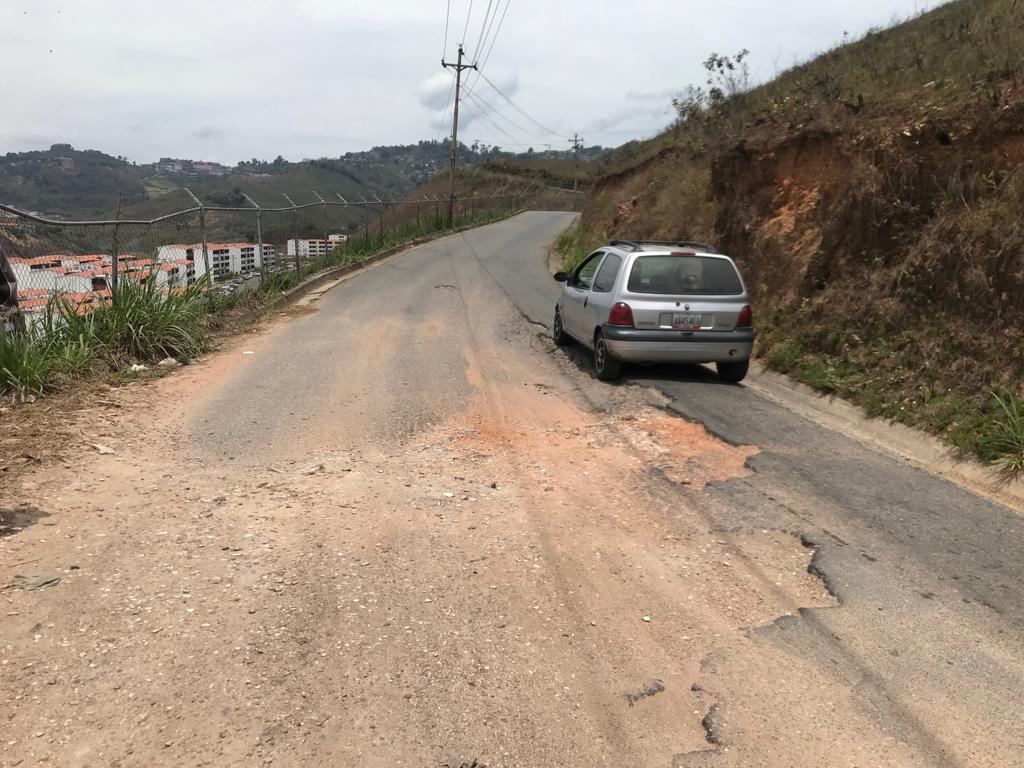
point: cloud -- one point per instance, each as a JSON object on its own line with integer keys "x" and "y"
{"x": 323, "y": 77}
{"x": 436, "y": 90}
{"x": 210, "y": 132}
{"x": 641, "y": 110}
{"x": 664, "y": 96}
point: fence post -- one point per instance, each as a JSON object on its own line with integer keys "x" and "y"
{"x": 295, "y": 235}
{"x": 380, "y": 219}
{"x": 366, "y": 222}
{"x": 202, "y": 231}
{"x": 259, "y": 238}
{"x": 114, "y": 257}
{"x": 323, "y": 206}
{"x": 348, "y": 225}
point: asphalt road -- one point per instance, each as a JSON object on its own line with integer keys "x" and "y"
{"x": 930, "y": 577}
{"x": 400, "y": 528}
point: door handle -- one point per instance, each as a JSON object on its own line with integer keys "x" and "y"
{"x": 585, "y": 300}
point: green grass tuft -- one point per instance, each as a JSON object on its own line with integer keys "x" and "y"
{"x": 141, "y": 324}
{"x": 1007, "y": 438}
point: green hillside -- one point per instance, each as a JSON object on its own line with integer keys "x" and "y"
{"x": 65, "y": 180}
{"x": 72, "y": 184}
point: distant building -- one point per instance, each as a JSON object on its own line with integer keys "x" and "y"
{"x": 210, "y": 169}
{"x": 225, "y": 258}
{"x": 190, "y": 167}
{"x": 315, "y": 249}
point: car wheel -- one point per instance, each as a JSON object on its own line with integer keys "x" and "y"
{"x": 734, "y": 373}
{"x": 561, "y": 338}
{"x": 606, "y": 367}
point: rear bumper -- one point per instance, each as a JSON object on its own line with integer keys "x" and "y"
{"x": 642, "y": 346}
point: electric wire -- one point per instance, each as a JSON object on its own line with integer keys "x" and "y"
{"x": 447, "y": 18}
{"x": 488, "y": 124}
{"x": 483, "y": 103}
{"x": 521, "y": 111}
{"x": 466, "y": 28}
{"x": 480, "y": 38}
{"x": 476, "y": 78}
{"x": 493, "y": 39}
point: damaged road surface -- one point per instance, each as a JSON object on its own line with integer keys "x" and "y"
{"x": 404, "y": 530}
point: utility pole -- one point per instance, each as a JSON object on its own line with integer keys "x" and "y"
{"x": 458, "y": 67}
{"x": 577, "y": 142}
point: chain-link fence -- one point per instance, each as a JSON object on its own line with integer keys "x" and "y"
{"x": 224, "y": 249}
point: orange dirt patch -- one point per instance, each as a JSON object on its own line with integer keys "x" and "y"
{"x": 685, "y": 452}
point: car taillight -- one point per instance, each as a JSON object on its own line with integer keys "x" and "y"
{"x": 746, "y": 318}
{"x": 621, "y": 314}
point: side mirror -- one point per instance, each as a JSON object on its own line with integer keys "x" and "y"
{"x": 561, "y": 277}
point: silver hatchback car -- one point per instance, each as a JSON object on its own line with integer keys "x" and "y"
{"x": 657, "y": 302}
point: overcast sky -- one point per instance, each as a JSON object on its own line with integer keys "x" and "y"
{"x": 228, "y": 80}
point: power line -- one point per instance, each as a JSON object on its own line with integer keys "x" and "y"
{"x": 489, "y": 123}
{"x": 447, "y": 17}
{"x": 494, "y": 39}
{"x": 483, "y": 26}
{"x": 484, "y": 103}
{"x": 482, "y": 114}
{"x": 491, "y": 48}
{"x": 521, "y": 111}
{"x": 465, "y": 28}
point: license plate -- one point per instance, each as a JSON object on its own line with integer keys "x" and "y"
{"x": 685, "y": 322}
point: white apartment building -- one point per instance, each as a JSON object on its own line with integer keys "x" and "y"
{"x": 225, "y": 258}
{"x": 314, "y": 249}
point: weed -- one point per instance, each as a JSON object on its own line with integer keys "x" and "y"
{"x": 32, "y": 362}
{"x": 142, "y": 323}
{"x": 1006, "y": 441}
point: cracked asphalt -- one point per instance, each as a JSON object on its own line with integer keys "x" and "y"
{"x": 402, "y": 529}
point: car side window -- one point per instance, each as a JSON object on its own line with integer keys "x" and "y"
{"x": 605, "y": 279}
{"x": 584, "y": 277}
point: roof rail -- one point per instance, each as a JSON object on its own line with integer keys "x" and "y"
{"x": 638, "y": 245}
{"x": 682, "y": 244}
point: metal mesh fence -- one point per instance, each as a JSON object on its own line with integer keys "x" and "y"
{"x": 224, "y": 249}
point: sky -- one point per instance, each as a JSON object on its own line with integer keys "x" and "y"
{"x": 232, "y": 80}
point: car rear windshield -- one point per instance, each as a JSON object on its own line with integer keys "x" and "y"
{"x": 684, "y": 275}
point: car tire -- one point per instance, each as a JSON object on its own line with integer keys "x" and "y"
{"x": 558, "y": 334}
{"x": 606, "y": 367}
{"x": 733, "y": 373}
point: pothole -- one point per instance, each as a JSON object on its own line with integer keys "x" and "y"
{"x": 685, "y": 452}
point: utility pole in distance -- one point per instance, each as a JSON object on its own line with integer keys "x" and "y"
{"x": 458, "y": 67}
{"x": 577, "y": 142}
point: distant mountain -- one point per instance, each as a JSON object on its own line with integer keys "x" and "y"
{"x": 74, "y": 184}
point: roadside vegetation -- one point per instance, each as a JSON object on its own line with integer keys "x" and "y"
{"x": 146, "y": 325}
{"x": 872, "y": 197}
